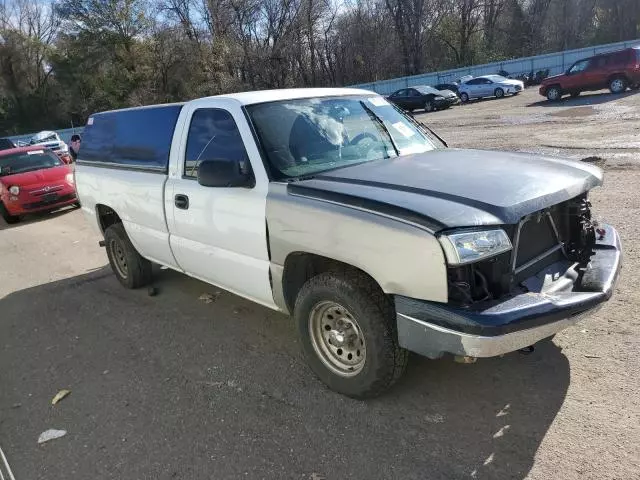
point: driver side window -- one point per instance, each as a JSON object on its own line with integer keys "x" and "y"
{"x": 213, "y": 135}
{"x": 579, "y": 67}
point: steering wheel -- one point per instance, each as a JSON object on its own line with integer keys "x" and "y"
{"x": 361, "y": 136}
{"x": 367, "y": 143}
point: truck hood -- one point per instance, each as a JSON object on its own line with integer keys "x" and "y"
{"x": 454, "y": 188}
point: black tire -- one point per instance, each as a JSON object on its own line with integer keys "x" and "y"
{"x": 130, "y": 268}
{"x": 373, "y": 312}
{"x": 464, "y": 97}
{"x": 6, "y": 216}
{"x": 428, "y": 106}
{"x": 575, "y": 94}
{"x": 635, "y": 87}
{"x": 498, "y": 93}
{"x": 618, "y": 85}
{"x": 554, "y": 93}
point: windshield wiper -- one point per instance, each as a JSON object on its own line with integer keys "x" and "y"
{"x": 379, "y": 121}
{"x": 420, "y": 126}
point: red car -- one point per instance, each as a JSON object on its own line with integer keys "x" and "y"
{"x": 614, "y": 70}
{"x": 33, "y": 179}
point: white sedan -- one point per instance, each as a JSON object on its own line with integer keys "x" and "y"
{"x": 489, "y": 86}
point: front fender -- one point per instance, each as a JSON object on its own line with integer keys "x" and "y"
{"x": 403, "y": 258}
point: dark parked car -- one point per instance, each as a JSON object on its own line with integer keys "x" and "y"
{"x": 6, "y": 144}
{"x": 423, "y": 97}
{"x": 615, "y": 70}
{"x": 447, "y": 86}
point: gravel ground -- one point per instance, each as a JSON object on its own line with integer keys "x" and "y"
{"x": 596, "y": 433}
{"x": 171, "y": 387}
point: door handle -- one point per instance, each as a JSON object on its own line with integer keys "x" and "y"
{"x": 181, "y": 201}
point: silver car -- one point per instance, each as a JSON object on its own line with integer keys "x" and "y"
{"x": 489, "y": 86}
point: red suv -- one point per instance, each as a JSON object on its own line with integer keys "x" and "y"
{"x": 614, "y": 70}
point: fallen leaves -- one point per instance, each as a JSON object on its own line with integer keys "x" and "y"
{"x": 59, "y": 396}
{"x": 51, "y": 434}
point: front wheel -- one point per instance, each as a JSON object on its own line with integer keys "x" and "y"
{"x": 6, "y": 216}
{"x": 464, "y": 97}
{"x": 348, "y": 334}
{"x": 428, "y": 106}
{"x": 554, "y": 94}
{"x": 499, "y": 93}
{"x": 130, "y": 268}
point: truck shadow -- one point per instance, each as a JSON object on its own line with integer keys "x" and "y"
{"x": 585, "y": 99}
{"x": 194, "y": 380}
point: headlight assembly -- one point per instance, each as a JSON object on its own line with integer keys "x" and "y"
{"x": 461, "y": 248}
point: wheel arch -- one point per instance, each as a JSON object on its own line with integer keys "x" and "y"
{"x": 300, "y": 266}
{"x": 106, "y": 216}
{"x": 615, "y": 75}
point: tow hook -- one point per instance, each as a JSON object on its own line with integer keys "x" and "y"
{"x": 527, "y": 350}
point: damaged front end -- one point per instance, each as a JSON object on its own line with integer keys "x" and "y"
{"x": 562, "y": 264}
{"x": 550, "y": 251}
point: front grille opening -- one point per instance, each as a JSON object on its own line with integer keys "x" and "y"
{"x": 536, "y": 237}
{"x": 563, "y": 232}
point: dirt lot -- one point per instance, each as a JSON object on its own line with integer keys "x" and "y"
{"x": 170, "y": 387}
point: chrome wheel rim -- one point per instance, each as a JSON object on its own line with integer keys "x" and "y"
{"x": 119, "y": 258}
{"x": 553, "y": 94}
{"x": 617, "y": 85}
{"x": 464, "y": 97}
{"x": 337, "y": 339}
{"x": 428, "y": 107}
{"x": 499, "y": 93}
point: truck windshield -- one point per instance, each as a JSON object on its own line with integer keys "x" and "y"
{"x": 27, "y": 162}
{"x": 308, "y": 136}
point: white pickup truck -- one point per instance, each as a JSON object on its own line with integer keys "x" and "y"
{"x": 333, "y": 206}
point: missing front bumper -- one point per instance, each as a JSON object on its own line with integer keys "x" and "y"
{"x": 434, "y": 329}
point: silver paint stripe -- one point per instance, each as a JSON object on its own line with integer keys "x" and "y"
{"x": 362, "y": 209}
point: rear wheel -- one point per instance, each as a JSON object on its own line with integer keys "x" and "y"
{"x": 575, "y": 94}
{"x": 554, "y": 93}
{"x": 618, "y": 85}
{"x": 464, "y": 97}
{"x": 348, "y": 334}
{"x": 6, "y": 216}
{"x": 499, "y": 93}
{"x": 131, "y": 269}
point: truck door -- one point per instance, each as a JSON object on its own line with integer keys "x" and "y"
{"x": 218, "y": 234}
{"x": 576, "y": 79}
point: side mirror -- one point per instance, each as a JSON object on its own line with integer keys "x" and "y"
{"x": 224, "y": 173}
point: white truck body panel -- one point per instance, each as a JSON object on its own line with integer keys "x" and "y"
{"x": 222, "y": 237}
{"x": 138, "y": 198}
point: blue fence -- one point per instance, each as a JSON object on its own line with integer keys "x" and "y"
{"x": 555, "y": 62}
{"x": 65, "y": 135}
